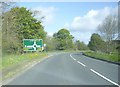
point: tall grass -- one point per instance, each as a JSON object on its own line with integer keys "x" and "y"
{"x": 110, "y": 57}
{"x": 13, "y": 59}
{"x": 13, "y": 62}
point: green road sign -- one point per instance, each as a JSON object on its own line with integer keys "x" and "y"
{"x": 32, "y": 44}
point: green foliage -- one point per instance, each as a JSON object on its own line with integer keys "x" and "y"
{"x": 63, "y": 40}
{"x": 96, "y": 43}
{"x": 80, "y": 45}
{"x": 28, "y": 26}
{"x": 50, "y": 43}
{"x": 19, "y": 24}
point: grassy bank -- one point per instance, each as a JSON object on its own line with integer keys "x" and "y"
{"x": 13, "y": 63}
{"x": 110, "y": 57}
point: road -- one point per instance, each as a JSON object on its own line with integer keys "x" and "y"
{"x": 69, "y": 69}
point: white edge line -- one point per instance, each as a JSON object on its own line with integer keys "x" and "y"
{"x": 105, "y": 77}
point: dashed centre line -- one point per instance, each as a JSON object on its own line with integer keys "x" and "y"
{"x": 96, "y": 72}
{"x": 82, "y": 64}
{"x": 78, "y": 61}
{"x": 104, "y": 77}
{"x": 72, "y": 57}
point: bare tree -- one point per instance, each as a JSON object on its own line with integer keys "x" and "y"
{"x": 108, "y": 29}
{"x": 118, "y": 21}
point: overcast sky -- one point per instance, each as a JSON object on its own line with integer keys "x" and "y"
{"x": 80, "y": 18}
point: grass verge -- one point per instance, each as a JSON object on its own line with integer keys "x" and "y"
{"x": 109, "y": 57}
{"x": 12, "y": 63}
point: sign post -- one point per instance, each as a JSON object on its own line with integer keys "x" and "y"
{"x": 32, "y": 44}
{"x": 45, "y": 48}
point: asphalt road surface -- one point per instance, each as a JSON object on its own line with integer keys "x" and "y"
{"x": 69, "y": 69}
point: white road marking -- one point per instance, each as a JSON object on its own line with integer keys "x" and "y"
{"x": 82, "y": 64}
{"x": 97, "y": 73}
{"x": 105, "y": 77}
{"x": 72, "y": 57}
